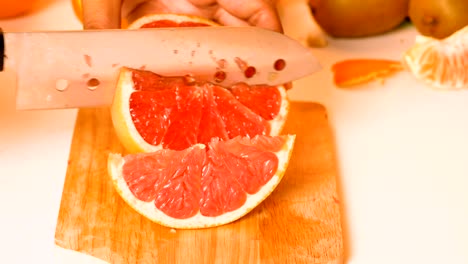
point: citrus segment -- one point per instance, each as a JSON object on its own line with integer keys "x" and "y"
{"x": 203, "y": 185}
{"x": 358, "y": 71}
{"x": 211, "y": 125}
{"x": 254, "y": 97}
{"x": 238, "y": 119}
{"x": 442, "y": 63}
{"x": 158, "y": 177}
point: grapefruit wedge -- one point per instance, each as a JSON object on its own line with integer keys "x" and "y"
{"x": 151, "y": 112}
{"x": 203, "y": 185}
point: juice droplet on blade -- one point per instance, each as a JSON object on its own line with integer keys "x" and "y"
{"x": 220, "y": 76}
{"x": 279, "y": 65}
{"x": 93, "y": 84}
{"x": 250, "y": 72}
{"x": 61, "y": 85}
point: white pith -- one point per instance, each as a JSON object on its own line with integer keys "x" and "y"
{"x": 276, "y": 125}
{"x": 125, "y": 90}
{"x": 149, "y": 210}
{"x": 454, "y": 48}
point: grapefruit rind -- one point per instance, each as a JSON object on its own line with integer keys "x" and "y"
{"x": 277, "y": 124}
{"x": 149, "y": 210}
{"x": 121, "y": 119}
{"x": 443, "y": 64}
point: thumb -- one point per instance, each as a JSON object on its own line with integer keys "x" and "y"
{"x": 101, "y": 14}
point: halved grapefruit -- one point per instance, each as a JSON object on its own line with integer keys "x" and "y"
{"x": 440, "y": 63}
{"x": 151, "y": 112}
{"x": 203, "y": 185}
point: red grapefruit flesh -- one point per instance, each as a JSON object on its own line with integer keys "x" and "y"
{"x": 203, "y": 185}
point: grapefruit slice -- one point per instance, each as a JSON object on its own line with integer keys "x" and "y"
{"x": 203, "y": 185}
{"x": 442, "y": 63}
{"x": 171, "y": 20}
{"x": 151, "y": 112}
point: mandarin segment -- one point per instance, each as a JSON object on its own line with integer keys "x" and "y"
{"x": 441, "y": 63}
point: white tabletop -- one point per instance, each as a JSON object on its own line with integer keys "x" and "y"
{"x": 402, "y": 157}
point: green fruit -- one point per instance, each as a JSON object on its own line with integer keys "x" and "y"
{"x": 438, "y": 18}
{"x": 349, "y": 18}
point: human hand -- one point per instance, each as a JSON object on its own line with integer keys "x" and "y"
{"x": 99, "y": 14}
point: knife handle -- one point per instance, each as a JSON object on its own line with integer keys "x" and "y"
{"x": 2, "y": 49}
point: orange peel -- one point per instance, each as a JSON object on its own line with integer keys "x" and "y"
{"x": 353, "y": 72}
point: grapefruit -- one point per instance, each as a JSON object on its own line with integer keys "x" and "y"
{"x": 151, "y": 112}
{"x": 203, "y": 185}
{"x": 442, "y": 63}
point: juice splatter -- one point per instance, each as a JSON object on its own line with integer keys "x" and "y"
{"x": 219, "y": 76}
{"x": 93, "y": 83}
{"x": 61, "y": 85}
{"x": 279, "y": 65}
{"x": 250, "y": 72}
{"x": 88, "y": 60}
{"x": 222, "y": 63}
{"x": 241, "y": 63}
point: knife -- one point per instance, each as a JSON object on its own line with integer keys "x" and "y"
{"x": 72, "y": 69}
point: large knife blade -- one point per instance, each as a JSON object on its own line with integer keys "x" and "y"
{"x": 67, "y": 69}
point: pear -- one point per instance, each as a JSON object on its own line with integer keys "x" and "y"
{"x": 349, "y": 18}
{"x": 438, "y": 18}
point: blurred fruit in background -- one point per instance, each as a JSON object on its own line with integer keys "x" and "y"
{"x": 348, "y": 18}
{"x": 77, "y": 9}
{"x": 438, "y": 18}
{"x": 14, "y": 8}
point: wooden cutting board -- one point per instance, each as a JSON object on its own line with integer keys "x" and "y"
{"x": 298, "y": 223}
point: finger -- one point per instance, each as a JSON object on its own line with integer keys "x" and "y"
{"x": 225, "y": 18}
{"x": 100, "y": 14}
{"x": 258, "y": 13}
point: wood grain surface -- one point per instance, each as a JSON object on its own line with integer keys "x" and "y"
{"x": 298, "y": 223}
